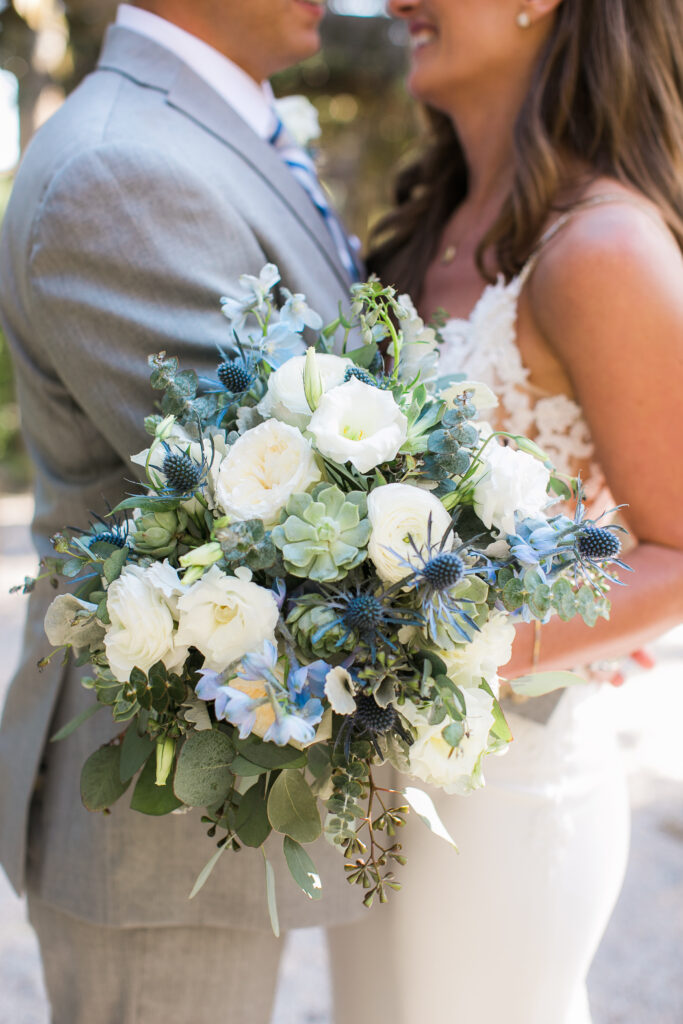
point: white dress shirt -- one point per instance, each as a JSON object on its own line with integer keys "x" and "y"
{"x": 252, "y": 100}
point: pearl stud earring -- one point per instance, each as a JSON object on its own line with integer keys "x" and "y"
{"x": 523, "y": 19}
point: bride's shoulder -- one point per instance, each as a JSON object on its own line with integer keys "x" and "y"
{"x": 610, "y": 262}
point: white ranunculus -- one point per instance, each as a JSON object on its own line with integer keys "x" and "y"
{"x": 490, "y": 648}
{"x": 142, "y": 629}
{"x": 286, "y": 399}
{"x": 420, "y": 349}
{"x": 225, "y": 617}
{"x": 262, "y": 470}
{"x": 455, "y": 770}
{"x": 397, "y": 512}
{"x": 510, "y": 482}
{"x": 299, "y": 117}
{"x": 483, "y": 397}
{"x": 360, "y": 424}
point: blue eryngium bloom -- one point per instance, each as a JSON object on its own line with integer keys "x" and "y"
{"x": 295, "y": 702}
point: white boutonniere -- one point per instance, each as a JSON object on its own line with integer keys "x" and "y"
{"x": 300, "y": 119}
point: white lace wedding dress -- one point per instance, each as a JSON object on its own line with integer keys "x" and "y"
{"x": 506, "y": 931}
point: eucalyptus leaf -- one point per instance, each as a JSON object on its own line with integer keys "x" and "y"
{"x": 246, "y": 769}
{"x": 71, "y": 726}
{"x": 424, "y": 807}
{"x": 500, "y": 727}
{"x": 148, "y": 798}
{"x": 292, "y": 808}
{"x": 204, "y": 874}
{"x": 203, "y": 773}
{"x": 271, "y": 897}
{"x": 101, "y": 784}
{"x": 302, "y": 869}
{"x": 269, "y": 755}
{"x": 453, "y": 733}
{"x": 251, "y": 823}
{"x": 135, "y": 750}
{"x": 544, "y": 682}
{"x": 114, "y": 564}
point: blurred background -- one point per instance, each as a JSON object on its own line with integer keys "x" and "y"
{"x": 369, "y": 125}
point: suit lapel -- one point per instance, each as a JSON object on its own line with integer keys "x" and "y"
{"x": 151, "y": 65}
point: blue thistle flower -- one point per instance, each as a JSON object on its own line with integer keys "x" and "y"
{"x": 366, "y": 616}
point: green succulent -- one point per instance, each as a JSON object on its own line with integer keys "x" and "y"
{"x": 310, "y": 614}
{"x": 157, "y": 533}
{"x": 323, "y": 535}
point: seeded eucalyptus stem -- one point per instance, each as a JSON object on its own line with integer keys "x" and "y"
{"x": 366, "y": 870}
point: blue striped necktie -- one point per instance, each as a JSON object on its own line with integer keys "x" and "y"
{"x": 303, "y": 169}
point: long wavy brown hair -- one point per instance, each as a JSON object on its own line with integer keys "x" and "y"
{"x": 607, "y": 89}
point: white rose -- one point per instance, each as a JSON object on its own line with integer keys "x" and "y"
{"x": 432, "y": 759}
{"x": 225, "y": 617}
{"x": 263, "y": 469}
{"x": 510, "y": 482}
{"x": 299, "y": 117}
{"x": 399, "y": 511}
{"x": 419, "y": 353}
{"x": 142, "y": 625}
{"x": 490, "y": 648}
{"x": 286, "y": 399}
{"x": 360, "y": 424}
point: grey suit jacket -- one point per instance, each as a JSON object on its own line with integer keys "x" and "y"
{"x": 136, "y": 207}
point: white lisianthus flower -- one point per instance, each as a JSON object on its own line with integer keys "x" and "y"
{"x": 360, "y": 424}
{"x": 224, "y": 617}
{"x": 456, "y": 770}
{"x": 397, "y": 512}
{"x": 262, "y": 470}
{"x": 489, "y": 648}
{"x": 420, "y": 348}
{"x": 510, "y": 482}
{"x": 300, "y": 118}
{"x": 286, "y": 398}
{"x": 142, "y": 629}
{"x": 483, "y": 397}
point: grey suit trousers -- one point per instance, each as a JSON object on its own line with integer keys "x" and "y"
{"x": 95, "y": 974}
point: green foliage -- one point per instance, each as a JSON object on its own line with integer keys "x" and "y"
{"x": 135, "y": 750}
{"x": 101, "y": 784}
{"x": 159, "y": 690}
{"x": 203, "y": 776}
{"x": 292, "y": 808}
{"x": 302, "y": 869}
{"x": 148, "y": 798}
{"x": 251, "y": 821}
{"x": 247, "y": 543}
{"x": 269, "y": 755}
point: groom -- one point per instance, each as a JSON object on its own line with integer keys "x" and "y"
{"x": 136, "y": 207}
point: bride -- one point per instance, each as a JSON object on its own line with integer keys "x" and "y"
{"x": 546, "y": 219}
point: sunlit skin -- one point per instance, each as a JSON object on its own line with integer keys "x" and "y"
{"x": 601, "y": 320}
{"x": 261, "y": 36}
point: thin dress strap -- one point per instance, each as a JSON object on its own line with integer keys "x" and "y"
{"x": 554, "y": 229}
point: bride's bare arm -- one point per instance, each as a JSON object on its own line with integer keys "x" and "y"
{"x": 607, "y": 298}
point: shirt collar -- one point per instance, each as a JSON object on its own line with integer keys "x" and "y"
{"x": 252, "y": 100}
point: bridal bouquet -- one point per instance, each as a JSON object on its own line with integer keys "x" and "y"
{"x": 322, "y": 574}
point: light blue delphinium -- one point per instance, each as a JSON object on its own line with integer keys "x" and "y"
{"x": 255, "y": 298}
{"x": 296, "y": 703}
{"x": 280, "y": 344}
{"x": 297, "y": 314}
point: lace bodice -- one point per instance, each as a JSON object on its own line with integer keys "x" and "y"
{"x": 484, "y": 347}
